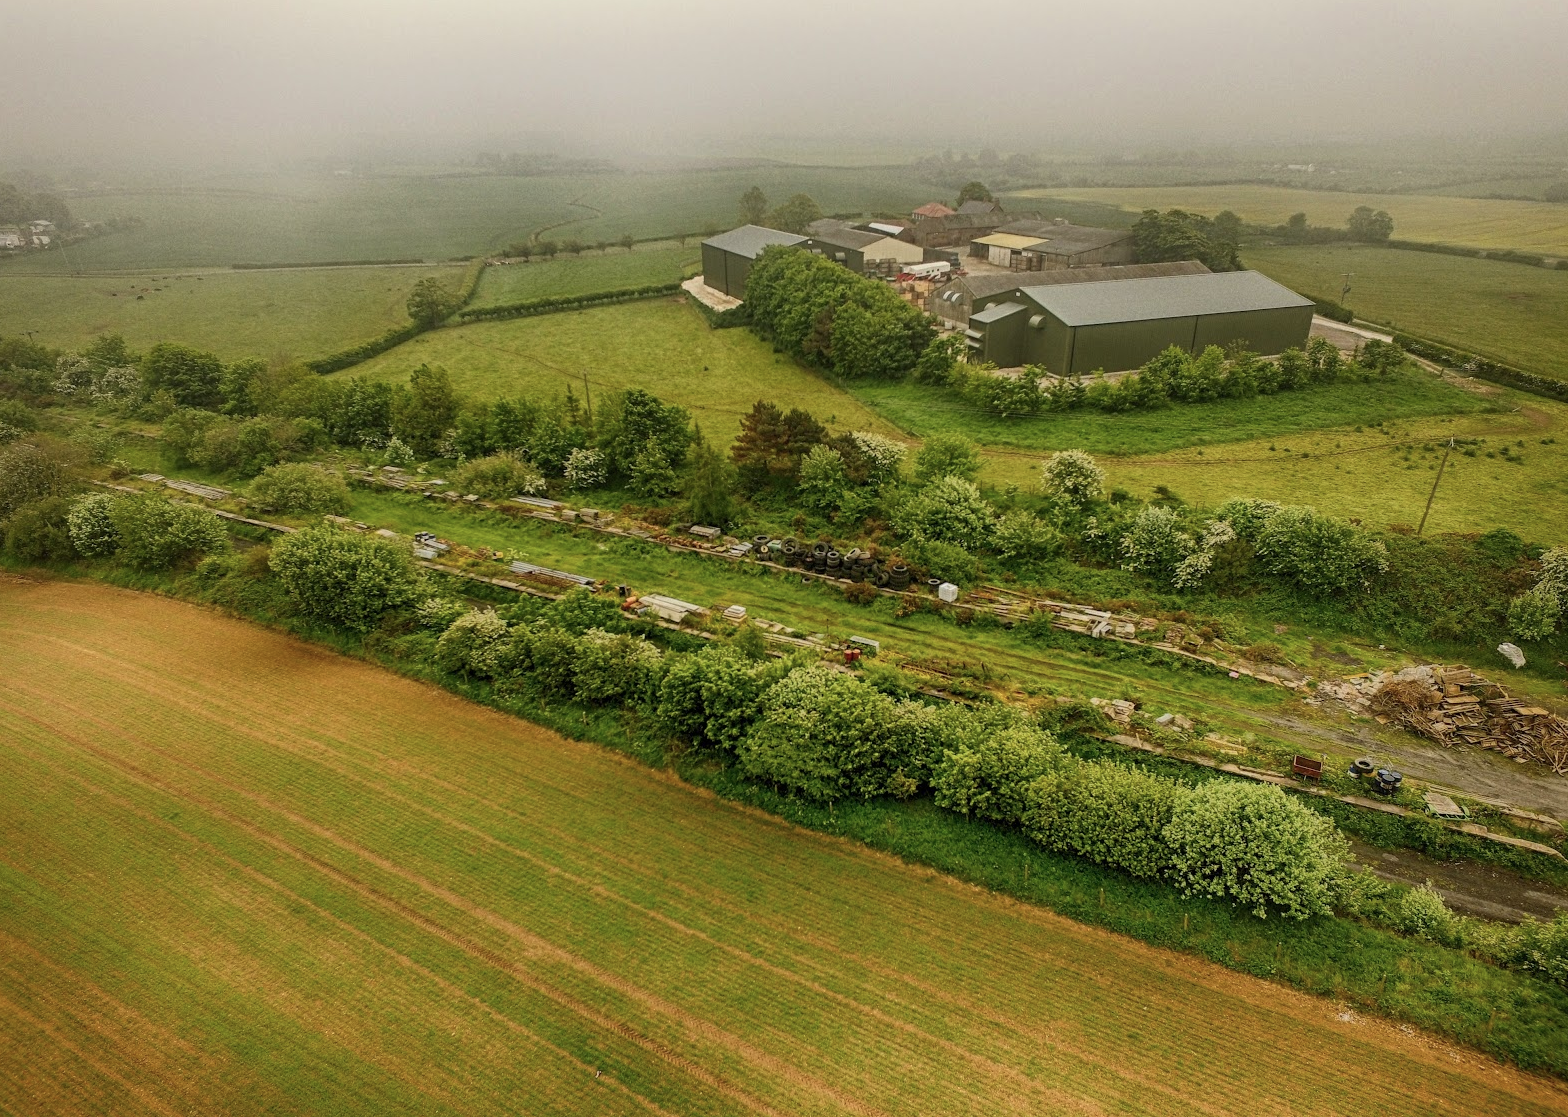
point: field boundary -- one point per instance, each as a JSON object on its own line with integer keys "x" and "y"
{"x": 359, "y": 354}
{"x": 557, "y": 304}
{"x": 1482, "y": 368}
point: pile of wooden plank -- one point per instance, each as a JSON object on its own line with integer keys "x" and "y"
{"x": 1455, "y": 706}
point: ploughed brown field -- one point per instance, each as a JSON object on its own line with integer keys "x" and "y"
{"x": 240, "y": 874}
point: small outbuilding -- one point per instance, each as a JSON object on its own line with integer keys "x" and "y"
{"x": 1028, "y": 245}
{"x": 931, "y": 210}
{"x": 1076, "y": 329}
{"x": 727, "y": 258}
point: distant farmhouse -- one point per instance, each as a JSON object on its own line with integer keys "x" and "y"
{"x": 953, "y": 302}
{"x": 10, "y": 239}
{"x": 1075, "y": 329}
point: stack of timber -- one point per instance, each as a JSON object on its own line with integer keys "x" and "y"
{"x": 1455, "y": 706}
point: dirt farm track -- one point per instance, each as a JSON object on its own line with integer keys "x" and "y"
{"x": 239, "y": 874}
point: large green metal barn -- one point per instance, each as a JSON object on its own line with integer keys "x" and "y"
{"x": 1079, "y": 328}
{"x": 727, "y": 258}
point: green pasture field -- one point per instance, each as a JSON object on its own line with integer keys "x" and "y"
{"x": 287, "y": 880}
{"x": 660, "y": 345}
{"x": 289, "y": 219}
{"x": 924, "y": 411}
{"x": 1472, "y": 222}
{"x": 1385, "y": 478}
{"x": 295, "y": 312}
{"x": 612, "y": 269}
{"x": 1511, "y": 313}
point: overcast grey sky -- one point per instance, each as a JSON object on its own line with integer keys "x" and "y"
{"x": 80, "y": 79}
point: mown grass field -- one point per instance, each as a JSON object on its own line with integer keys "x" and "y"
{"x": 297, "y": 312}
{"x": 1511, "y": 313}
{"x": 244, "y": 875}
{"x": 660, "y": 345}
{"x": 660, "y": 262}
{"x": 1472, "y": 222}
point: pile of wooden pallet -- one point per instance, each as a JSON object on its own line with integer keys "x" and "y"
{"x": 1458, "y": 707}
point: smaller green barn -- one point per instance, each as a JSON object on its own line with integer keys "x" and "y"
{"x": 1076, "y": 329}
{"x": 727, "y": 258}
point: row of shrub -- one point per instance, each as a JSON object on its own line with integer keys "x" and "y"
{"x": 554, "y": 304}
{"x": 329, "y": 264}
{"x": 1507, "y": 255}
{"x": 1482, "y": 368}
{"x": 1174, "y": 376}
{"x": 824, "y": 735}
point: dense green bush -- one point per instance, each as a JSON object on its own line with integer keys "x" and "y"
{"x": 613, "y": 667}
{"x": 947, "y": 510}
{"x": 1250, "y": 844}
{"x": 1109, "y": 813}
{"x": 826, "y": 315}
{"x": 1322, "y": 555}
{"x": 345, "y": 578}
{"x": 498, "y": 476}
{"x": 34, "y": 470}
{"x": 299, "y": 487}
{"x": 1073, "y": 477}
{"x": 824, "y": 736}
{"x": 989, "y": 773}
{"x": 464, "y": 647}
{"x": 40, "y": 531}
{"x": 156, "y": 534}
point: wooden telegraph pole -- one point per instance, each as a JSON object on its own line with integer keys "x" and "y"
{"x": 1429, "y": 496}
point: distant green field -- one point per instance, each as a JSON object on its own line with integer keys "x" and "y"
{"x": 1474, "y": 222}
{"x": 277, "y": 219}
{"x": 298, "y": 312}
{"x": 661, "y": 262}
{"x": 924, "y": 411}
{"x": 660, "y": 345}
{"x": 1509, "y": 312}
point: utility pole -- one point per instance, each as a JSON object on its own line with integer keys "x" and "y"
{"x": 587, "y": 398}
{"x": 1344, "y": 291}
{"x": 1440, "y": 466}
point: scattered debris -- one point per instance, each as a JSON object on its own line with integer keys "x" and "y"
{"x": 1454, "y": 706}
{"x": 1444, "y": 807}
{"x": 545, "y": 574}
{"x": 1512, "y": 653}
{"x": 735, "y": 614}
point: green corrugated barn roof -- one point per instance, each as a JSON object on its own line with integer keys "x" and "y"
{"x": 1178, "y": 296}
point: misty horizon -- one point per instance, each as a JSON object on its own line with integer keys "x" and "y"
{"x": 101, "y": 84}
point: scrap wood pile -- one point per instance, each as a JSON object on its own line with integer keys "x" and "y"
{"x": 1454, "y": 705}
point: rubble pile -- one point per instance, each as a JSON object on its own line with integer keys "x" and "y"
{"x": 1455, "y": 706}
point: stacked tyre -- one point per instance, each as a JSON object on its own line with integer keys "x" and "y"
{"x": 898, "y": 576}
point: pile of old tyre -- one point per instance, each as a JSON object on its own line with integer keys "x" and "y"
{"x": 856, "y": 565}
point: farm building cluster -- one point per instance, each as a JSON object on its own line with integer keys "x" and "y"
{"x": 1028, "y": 290}
{"x": 33, "y": 234}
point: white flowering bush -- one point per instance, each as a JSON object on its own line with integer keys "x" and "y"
{"x": 462, "y": 646}
{"x": 585, "y": 469}
{"x": 115, "y": 384}
{"x": 72, "y": 374}
{"x": 884, "y": 454}
{"x": 1247, "y": 516}
{"x": 397, "y": 452}
{"x": 1073, "y": 477}
{"x": 948, "y": 510}
{"x": 90, "y": 523}
{"x": 1155, "y": 544}
{"x": 439, "y": 612}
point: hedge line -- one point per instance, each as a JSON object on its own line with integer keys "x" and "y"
{"x": 1329, "y": 308}
{"x": 1507, "y": 255}
{"x": 722, "y": 319}
{"x": 1482, "y": 368}
{"x": 347, "y": 358}
{"x": 329, "y": 264}
{"x": 556, "y": 303}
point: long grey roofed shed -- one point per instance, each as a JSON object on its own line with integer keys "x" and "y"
{"x": 1176, "y": 296}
